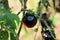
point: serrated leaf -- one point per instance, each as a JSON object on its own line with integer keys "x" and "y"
{"x": 15, "y": 18}
{"x": 10, "y": 23}
{"x": 10, "y": 20}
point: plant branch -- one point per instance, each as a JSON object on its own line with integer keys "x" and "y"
{"x": 39, "y": 10}
{"x": 19, "y": 12}
{"x": 22, "y": 18}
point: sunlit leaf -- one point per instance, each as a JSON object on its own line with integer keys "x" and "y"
{"x": 10, "y": 23}
{"x": 10, "y": 20}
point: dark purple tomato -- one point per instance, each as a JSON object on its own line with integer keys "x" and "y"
{"x": 29, "y": 20}
{"x": 47, "y": 36}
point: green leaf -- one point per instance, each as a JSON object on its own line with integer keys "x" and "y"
{"x": 12, "y": 31}
{"x": 15, "y": 18}
{"x": 21, "y": 1}
{"x": 10, "y": 20}
{"x": 3, "y": 35}
{"x": 1, "y": 17}
{"x": 12, "y": 37}
{"x": 4, "y": 11}
{"x": 2, "y": 21}
{"x": 10, "y": 23}
{"x": 5, "y": 4}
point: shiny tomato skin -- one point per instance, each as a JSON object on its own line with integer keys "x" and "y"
{"x": 29, "y": 20}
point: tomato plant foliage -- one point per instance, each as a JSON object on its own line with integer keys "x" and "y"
{"x": 8, "y": 21}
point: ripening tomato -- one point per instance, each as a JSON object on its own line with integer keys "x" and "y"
{"x": 29, "y": 20}
{"x": 47, "y": 35}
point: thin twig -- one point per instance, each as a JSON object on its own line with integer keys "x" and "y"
{"x": 22, "y": 18}
{"x": 20, "y": 29}
{"x": 19, "y": 12}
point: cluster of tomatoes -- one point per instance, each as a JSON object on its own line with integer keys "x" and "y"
{"x": 47, "y": 34}
{"x": 30, "y": 20}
